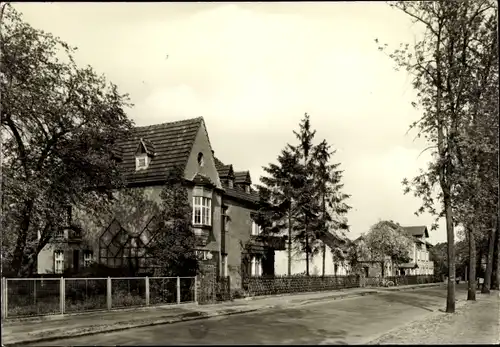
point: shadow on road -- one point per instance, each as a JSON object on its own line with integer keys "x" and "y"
{"x": 414, "y": 301}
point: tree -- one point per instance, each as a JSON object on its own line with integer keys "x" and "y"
{"x": 61, "y": 125}
{"x": 444, "y": 67}
{"x": 438, "y": 255}
{"x": 278, "y": 194}
{"x": 173, "y": 249}
{"x": 308, "y": 207}
{"x": 388, "y": 239}
{"x": 332, "y": 206}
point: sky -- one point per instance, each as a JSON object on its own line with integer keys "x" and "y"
{"x": 252, "y": 70}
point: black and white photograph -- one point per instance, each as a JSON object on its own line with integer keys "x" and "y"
{"x": 249, "y": 173}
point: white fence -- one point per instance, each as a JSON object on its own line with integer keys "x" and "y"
{"x": 22, "y": 297}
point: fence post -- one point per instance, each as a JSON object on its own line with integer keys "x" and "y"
{"x": 196, "y": 289}
{"x": 147, "y": 290}
{"x": 108, "y": 293}
{"x": 178, "y": 290}
{"x": 4, "y": 297}
{"x": 62, "y": 293}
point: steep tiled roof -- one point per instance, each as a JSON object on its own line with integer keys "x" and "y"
{"x": 332, "y": 240}
{"x": 172, "y": 144}
{"x": 242, "y": 177}
{"x": 236, "y": 193}
{"x": 420, "y": 230}
{"x": 218, "y": 163}
{"x": 224, "y": 171}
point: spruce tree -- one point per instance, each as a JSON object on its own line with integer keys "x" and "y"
{"x": 332, "y": 201}
{"x": 307, "y": 203}
{"x": 278, "y": 195}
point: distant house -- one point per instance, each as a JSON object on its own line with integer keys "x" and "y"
{"x": 420, "y": 263}
{"x": 332, "y": 242}
{"x": 222, "y": 200}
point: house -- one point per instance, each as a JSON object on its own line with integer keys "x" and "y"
{"x": 246, "y": 250}
{"x": 333, "y": 245}
{"x": 222, "y": 200}
{"x": 420, "y": 263}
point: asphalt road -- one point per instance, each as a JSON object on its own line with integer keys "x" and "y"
{"x": 349, "y": 321}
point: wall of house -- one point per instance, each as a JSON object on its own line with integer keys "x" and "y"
{"x": 45, "y": 259}
{"x": 133, "y": 211}
{"x": 315, "y": 264}
{"x": 202, "y": 145}
{"x": 238, "y": 231}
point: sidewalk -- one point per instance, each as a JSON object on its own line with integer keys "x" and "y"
{"x": 474, "y": 322}
{"x": 30, "y": 330}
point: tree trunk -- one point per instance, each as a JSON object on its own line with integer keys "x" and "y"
{"x": 489, "y": 265}
{"x": 471, "y": 289}
{"x": 289, "y": 242}
{"x": 450, "y": 299}
{"x": 307, "y": 255}
{"x": 479, "y": 260}
{"x": 494, "y": 273}
{"x": 497, "y": 277}
{"x": 324, "y": 259}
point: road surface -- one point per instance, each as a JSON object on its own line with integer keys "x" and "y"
{"x": 349, "y": 321}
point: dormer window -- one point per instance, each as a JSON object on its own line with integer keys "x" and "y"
{"x": 141, "y": 162}
{"x": 230, "y": 183}
{"x": 247, "y": 188}
{"x": 144, "y": 154}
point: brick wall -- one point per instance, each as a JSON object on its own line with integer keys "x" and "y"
{"x": 256, "y": 286}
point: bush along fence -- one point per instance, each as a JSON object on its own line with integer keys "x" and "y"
{"x": 256, "y": 286}
{"x": 22, "y": 297}
{"x": 399, "y": 280}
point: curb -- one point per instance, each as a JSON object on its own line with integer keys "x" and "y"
{"x": 125, "y": 325}
{"x": 416, "y": 286}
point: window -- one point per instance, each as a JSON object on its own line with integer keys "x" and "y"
{"x": 87, "y": 258}
{"x": 230, "y": 183}
{"x": 256, "y": 269}
{"x": 58, "y": 262}
{"x": 59, "y": 234}
{"x": 200, "y": 159}
{"x": 141, "y": 162}
{"x": 256, "y": 229}
{"x": 202, "y": 210}
{"x": 204, "y": 255}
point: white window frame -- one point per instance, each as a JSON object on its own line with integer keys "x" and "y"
{"x": 87, "y": 258}
{"x": 58, "y": 261}
{"x": 256, "y": 229}
{"x": 138, "y": 162}
{"x": 256, "y": 266}
{"x": 202, "y": 210}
